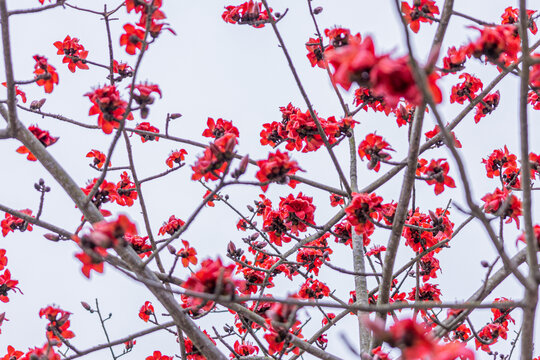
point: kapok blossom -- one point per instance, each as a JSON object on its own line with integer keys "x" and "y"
{"x": 110, "y": 108}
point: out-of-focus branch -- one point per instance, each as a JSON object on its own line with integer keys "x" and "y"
{"x": 8, "y": 68}
{"x": 531, "y": 294}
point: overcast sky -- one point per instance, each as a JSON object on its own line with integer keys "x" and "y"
{"x": 214, "y": 69}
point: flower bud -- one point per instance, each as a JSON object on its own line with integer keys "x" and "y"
{"x": 52, "y": 237}
{"x": 175, "y": 116}
{"x": 171, "y": 249}
{"x": 484, "y": 263}
{"x": 317, "y": 10}
{"x": 86, "y": 306}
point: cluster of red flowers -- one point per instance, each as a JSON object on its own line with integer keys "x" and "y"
{"x": 74, "y": 53}
{"x": 44, "y": 138}
{"x": 415, "y": 342}
{"x": 281, "y": 319}
{"x": 215, "y": 159}
{"x": 109, "y": 107}
{"x": 299, "y": 130}
{"x": 192, "y": 352}
{"x": 123, "y": 193}
{"x": 435, "y": 173}
{"x": 134, "y": 35}
{"x": 437, "y": 228}
{"x": 496, "y": 328}
{"x": 503, "y": 165}
{"x": 313, "y": 289}
{"x": 250, "y": 13}
{"x": 277, "y": 168}
{"x": 293, "y": 215}
{"x": 389, "y": 78}
{"x": 45, "y": 73}
{"x": 12, "y": 223}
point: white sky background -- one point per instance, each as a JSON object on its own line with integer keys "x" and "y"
{"x": 238, "y": 73}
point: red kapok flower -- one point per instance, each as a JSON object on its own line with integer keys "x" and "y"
{"x": 109, "y": 107}
{"x": 244, "y": 349}
{"x": 12, "y": 223}
{"x": 218, "y": 128}
{"x": 336, "y": 200}
{"x": 353, "y": 62}
{"x": 437, "y": 174}
{"x": 393, "y": 79}
{"x": 436, "y": 130}
{"x": 522, "y": 237}
{"x": 146, "y": 310}
{"x": 361, "y": 210}
{"x": 416, "y": 14}
{"x": 313, "y": 289}
{"x": 45, "y": 73}
{"x": 145, "y": 126}
{"x": 139, "y": 244}
{"x": 74, "y": 53}
{"x": 142, "y": 96}
{"x": 466, "y": 90}
{"x": 158, "y": 356}
{"x": 44, "y": 138}
{"x": 132, "y": 39}
{"x": 212, "y": 277}
{"x": 171, "y": 226}
{"x": 454, "y": 61}
{"x": 7, "y": 284}
{"x": 99, "y": 158}
{"x": 18, "y": 92}
{"x": 374, "y": 148}
{"x": 499, "y": 160}
{"x": 494, "y": 201}
{"x": 487, "y": 105}
{"x": 276, "y": 169}
{"x": 12, "y": 354}
{"x": 215, "y": 158}
{"x": 107, "y": 234}
{"x": 176, "y": 157}
{"x": 247, "y": 13}
{"x": 511, "y": 16}
{"x": 59, "y": 321}
{"x": 187, "y": 254}
{"x": 315, "y": 53}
